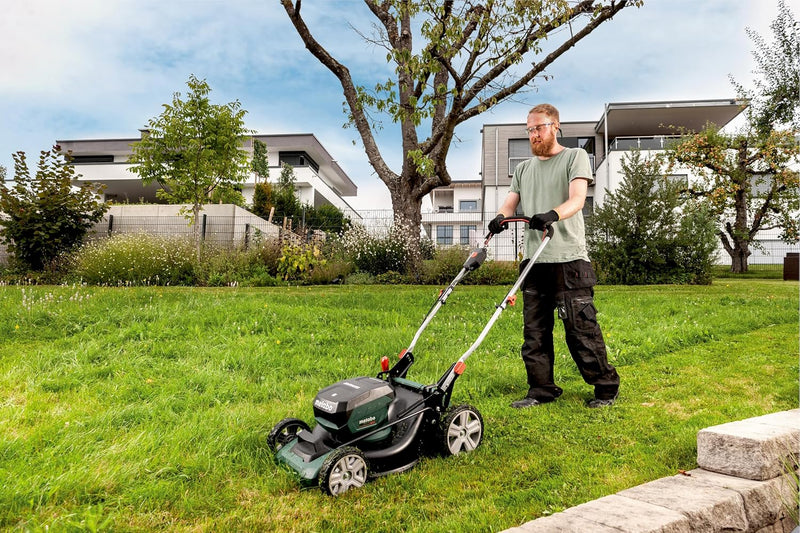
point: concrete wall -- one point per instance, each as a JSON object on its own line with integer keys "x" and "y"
{"x": 225, "y": 224}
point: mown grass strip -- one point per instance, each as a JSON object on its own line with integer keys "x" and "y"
{"x": 147, "y": 408}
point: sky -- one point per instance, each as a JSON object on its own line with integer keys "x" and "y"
{"x": 98, "y": 69}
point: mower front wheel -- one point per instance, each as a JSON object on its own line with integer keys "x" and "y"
{"x": 284, "y": 432}
{"x": 460, "y": 430}
{"x": 344, "y": 469}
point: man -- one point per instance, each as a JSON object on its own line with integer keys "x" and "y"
{"x": 551, "y": 188}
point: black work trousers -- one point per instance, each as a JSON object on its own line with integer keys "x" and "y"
{"x": 567, "y": 288}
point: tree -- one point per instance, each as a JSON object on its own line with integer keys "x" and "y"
{"x": 284, "y": 195}
{"x": 262, "y": 199}
{"x": 262, "y": 192}
{"x": 744, "y": 179}
{"x": 260, "y": 163}
{"x": 44, "y": 214}
{"x": 327, "y": 218}
{"x": 452, "y": 60}
{"x": 192, "y": 149}
{"x": 641, "y": 234}
{"x": 775, "y": 99}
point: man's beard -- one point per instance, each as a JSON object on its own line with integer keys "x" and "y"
{"x": 543, "y": 148}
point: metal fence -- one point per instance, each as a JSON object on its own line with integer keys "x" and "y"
{"x": 223, "y": 231}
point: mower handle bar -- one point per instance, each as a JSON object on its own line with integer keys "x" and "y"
{"x": 500, "y": 307}
{"x": 442, "y": 299}
{"x": 548, "y": 229}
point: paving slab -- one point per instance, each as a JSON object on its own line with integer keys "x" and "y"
{"x": 747, "y": 449}
{"x": 765, "y": 502}
{"x": 611, "y": 514}
{"x": 788, "y": 419}
{"x": 709, "y": 508}
{"x": 562, "y": 523}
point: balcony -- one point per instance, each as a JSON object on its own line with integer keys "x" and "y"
{"x": 656, "y": 142}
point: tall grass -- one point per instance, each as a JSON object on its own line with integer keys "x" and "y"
{"x": 147, "y": 408}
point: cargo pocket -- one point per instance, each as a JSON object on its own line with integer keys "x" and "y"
{"x": 584, "y": 314}
{"x": 579, "y": 275}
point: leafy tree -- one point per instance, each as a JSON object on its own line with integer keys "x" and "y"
{"x": 452, "y": 60}
{"x": 228, "y": 195}
{"x": 262, "y": 193}
{"x": 262, "y": 199}
{"x": 775, "y": 99}
{"x": 284, "y": 195}
{"x": 745, "y": 181}
{"x": 327, "y": 218}
{"x": 260, "y": 163}
{"x": 745, "y": 178}
{"x": 640, "y": 234}
{"x": 44, "y": 214}
{"x": 193, "y": 148}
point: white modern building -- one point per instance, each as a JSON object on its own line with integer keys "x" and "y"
{"x": 621, "y": 127}
{"x": 319, "y": 178}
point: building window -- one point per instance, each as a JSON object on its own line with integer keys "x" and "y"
{"x": 588, "y": 207}
{"x": 587, "y": 143}
{"x": 81, "y": 159}
{"x": 519, "y": 150}
{"x": 468, "y": 205}
{"x": 297, "y": 159}
{"x": 464, "y": 232}
{"x": 444, "y": 234}
{"x": 681, "y": 180}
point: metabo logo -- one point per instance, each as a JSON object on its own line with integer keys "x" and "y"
{"x": 325, "y": 405}
{"x": 366, "y": 421}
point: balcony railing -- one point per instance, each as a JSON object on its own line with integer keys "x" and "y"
{"x": 655, "y": 142}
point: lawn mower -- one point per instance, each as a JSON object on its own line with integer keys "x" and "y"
{"x": 373, "y": 426}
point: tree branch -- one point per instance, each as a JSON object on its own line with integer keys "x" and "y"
{"x": 350, "y": 93}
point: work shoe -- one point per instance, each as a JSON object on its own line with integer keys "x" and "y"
{"x": 597, "y": 402}
{"x": 525, "y": 402}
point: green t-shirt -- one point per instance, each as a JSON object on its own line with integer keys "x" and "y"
{"x": 543, "y": 185}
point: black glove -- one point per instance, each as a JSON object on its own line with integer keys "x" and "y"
{"x": 496, "y": 224}
{"x": 541, "y": 220}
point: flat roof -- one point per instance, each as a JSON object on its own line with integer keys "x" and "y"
{"x": 306, "y": 142}
{"x": 662, "y": 118}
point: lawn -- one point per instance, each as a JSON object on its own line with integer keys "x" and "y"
{"x": 148, "y": 408}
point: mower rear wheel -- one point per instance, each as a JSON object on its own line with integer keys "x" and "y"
{"x": 344, "y": 469}
{"x": 284, "y": 432}
{"x": 460, "y": 430}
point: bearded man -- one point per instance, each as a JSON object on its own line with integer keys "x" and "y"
{"x": 550, "y": 188}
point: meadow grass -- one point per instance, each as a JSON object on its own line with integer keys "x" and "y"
{"x": 147, "y": 408}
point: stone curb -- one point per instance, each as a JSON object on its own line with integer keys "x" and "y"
{"x": 741, "y": 487}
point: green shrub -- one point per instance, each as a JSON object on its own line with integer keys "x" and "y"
{"x": 332, "y": 271}
{"x": 298, "y": 260}
{"x": 496, "y": 273}
{"x": 445, "y": 265}
{"x": 644, "y": 234}
{"x": 390, "y": 278}
{"x": 45, "y": 215}
{"x": 360, "y": 278}
{"x": 375, "y": 254}
{"x": 137, "y": 259}
{"x": 254, "y": 267}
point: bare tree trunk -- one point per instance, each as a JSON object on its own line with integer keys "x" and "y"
{"x": 739, "y": 255}
{"x": 408, "y": 219}
{"x": 197, "y": 237}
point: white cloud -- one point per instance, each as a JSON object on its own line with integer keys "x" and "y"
{"x": 94, "y": 68}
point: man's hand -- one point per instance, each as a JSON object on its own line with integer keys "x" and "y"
{"x": 496, "y": 224}
{"x": 541, "y": 220}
